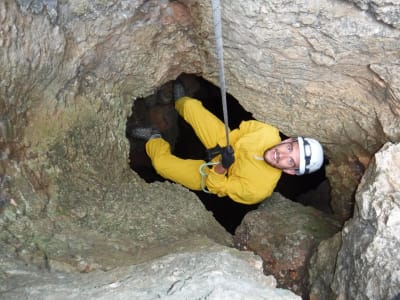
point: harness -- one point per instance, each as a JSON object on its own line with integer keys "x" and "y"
{"x": 212, "y": 152}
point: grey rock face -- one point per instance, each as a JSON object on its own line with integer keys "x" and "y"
{"x": 71, "y": 69}
{"x": 362, "y": 262}
{"x": 304, "y": 66}
{"x": 387, "y": 11}
{"x": 368, "y": 261}
{"x": 62, "y": 135}
{"x": 322, "y": 268}
{"x": 209, "y": 272}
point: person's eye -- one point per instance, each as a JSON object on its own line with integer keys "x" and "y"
{"x": 290, "y": 147}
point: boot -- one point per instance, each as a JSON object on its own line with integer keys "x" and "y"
{"x": 144, "y": 133}
{"x": 179, "y": 90}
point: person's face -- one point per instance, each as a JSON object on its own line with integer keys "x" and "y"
{"x": 284, "y": 156}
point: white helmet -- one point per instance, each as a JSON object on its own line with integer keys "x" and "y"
{"x": 311, "y": 155}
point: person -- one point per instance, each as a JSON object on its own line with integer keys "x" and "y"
{"x": 247, "y": 170}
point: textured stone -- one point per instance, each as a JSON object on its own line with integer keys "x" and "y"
{"x": 368, "y": 261}
{"x": 71, "y": 70}
{"x": 362, "y": 262}
{"x": 306, "y": 58}
{"x": 63, "y": 130}
{"x": 387, "y": 11}
{"x": 285, "y": 234}
{"x": 304, "y": 66}
{"x": 322, "y": 268}
{"x": 208, "y": 272}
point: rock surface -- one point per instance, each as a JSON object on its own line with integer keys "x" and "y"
{"x": 126, "y": 224}
{"x": 386, "y": 11}
{"x": 363, "y": 261}
{"x": 209, "y": 272}
{"x": 305, "y": 67}
{"x": 329, "y": 69}
{"x": 71, "y": 71}
{"x": 368, "y": 261}
{"x": 285, "y": 234}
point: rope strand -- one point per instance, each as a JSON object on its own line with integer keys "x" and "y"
{"x": 216, "y": 8}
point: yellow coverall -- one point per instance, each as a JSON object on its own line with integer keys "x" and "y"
{"x": 249, "y": 179}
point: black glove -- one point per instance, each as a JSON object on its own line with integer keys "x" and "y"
{"x": 227, "y": 157}
{"x": 212, "y": 152}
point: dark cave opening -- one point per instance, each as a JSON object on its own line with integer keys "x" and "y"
{"x": 157, "y": 110}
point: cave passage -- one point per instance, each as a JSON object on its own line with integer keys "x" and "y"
{"x": 158, "y": 110}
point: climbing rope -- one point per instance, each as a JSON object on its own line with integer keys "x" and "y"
{"x": 216, "y": 8}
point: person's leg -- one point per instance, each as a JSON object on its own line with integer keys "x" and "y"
{"x": 209, "y": 129}
{"x": 182, "y": 171}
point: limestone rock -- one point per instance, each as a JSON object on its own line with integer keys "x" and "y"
{"x": 285, "y": 234}
{"x": 309, "y": 68}
{"x": 322, "y": 268}
{"x": 130, "y": 226}
{"x": 385, "y": 10}
{"x": 362, "y": 262}
{"x": 305, "y": 67}
{"x": 368, "y": 261}
{"x": 208, "y": 272}
{"x": 71, "y": 71}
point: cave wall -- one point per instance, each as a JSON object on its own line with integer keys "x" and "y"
{"x": 362, "y": 261}
{"x": 71, "y": 70}
{"x": 325, "y": 69}
{"x": 70, "y": 75}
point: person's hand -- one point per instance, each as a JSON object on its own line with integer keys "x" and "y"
{"x": 219, "y": 169}
{"x": 228, "y": 157}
